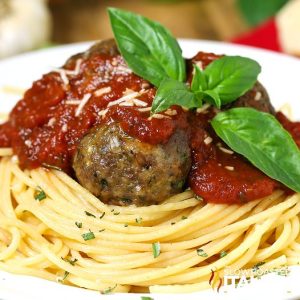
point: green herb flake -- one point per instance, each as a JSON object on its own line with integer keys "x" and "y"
{"x": 39, "y": 194}
{"x": 102, "y": 215}
{"x": 88, "y": 236}
{"x": 223, "y": 253}
{"x": 256, "y": 266}
{"x": 184, "y": 218}
{"x": 139, "y": 220}
{"x": 116, "y": 213}
{"x": 89, "y": 214}
{"x": 108, "y": 290}
{"x": 146, "y": 298}
{"x": 156, "y": 249}
{"x": 78, "y": 224}
{"x": 125, "y": 225}
{"x": 70, "y": 261}
{"x": 201, "y": 253}
{"x": 101, "y": 230}
{"x": 173, "y": 223}
{"x": 66, "y": 274}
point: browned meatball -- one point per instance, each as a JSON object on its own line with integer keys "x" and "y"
{"x": 121, "y": 170}
{"x": 108, "y": 47}
{"x": 257, "y": 98}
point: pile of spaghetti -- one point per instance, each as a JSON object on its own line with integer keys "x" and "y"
{"x": 51, "y": 227}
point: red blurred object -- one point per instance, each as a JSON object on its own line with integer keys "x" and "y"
{"x": 264, "y": 36}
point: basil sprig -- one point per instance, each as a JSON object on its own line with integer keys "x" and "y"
{"x": 262, "y": 140}
{"x": 222, "y": 82}
{"x": 148, "y": 48}
{"x": 225, "y": 79}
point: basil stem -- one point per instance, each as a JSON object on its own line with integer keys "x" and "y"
{"x": 263, "y": 141}
{"x": 148, "y": 48}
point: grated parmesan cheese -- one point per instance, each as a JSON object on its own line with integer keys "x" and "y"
{"x": 225, "y": 150}
{"x": 171, "y": 112}
{"x": 102, "y": 91}
{"x": 28, "y": 143}
{"x": 144, "y": 109}
{"x": 203, "y": 109}
{"x": 158, "y": 116}
{"x": 123, "y": 99}
{"x": 208, "y": 140}
{"x": 64, "y": 128}
{"x": 257, "y": 96}
{"x": 51, "y": 122}
{"x": 83, "y": 102}
{"x": 63, "y": 72}
{"x": 230, "y": 168}
{"x": 103, "y": 112}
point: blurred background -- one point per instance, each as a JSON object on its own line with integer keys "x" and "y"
{"x": 33, "y": 24}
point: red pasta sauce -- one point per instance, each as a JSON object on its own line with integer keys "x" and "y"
{"x": 45, "y": 127}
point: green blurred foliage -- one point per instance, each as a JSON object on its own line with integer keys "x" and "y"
{"x": 257, "y": 11}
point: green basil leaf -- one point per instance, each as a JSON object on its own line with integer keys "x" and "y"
{"x": 148, "y": 48}
{"x": 172, "y": 92}
{"x": 262, "y": 140}
{"x": 212, "y": 97}
{"x": 199, "y": 81}
{"x": 229, "y": 77}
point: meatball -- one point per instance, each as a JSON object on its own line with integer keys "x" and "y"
{"x": 257, "y": 98}
{"x": 108, "y": 47}
{"x": 121, "y": 170}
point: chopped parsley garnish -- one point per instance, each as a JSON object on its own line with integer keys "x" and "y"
{"x": 256, "y": 267}
{"x": 102, "y": 215}
{"x": 103, "y": 183}
{"x": 223, "y": 253}
{"x": 201, "y": 253}
{"x": 88, "y": 236}
{"x": 173, "y": 223}
{"x": 66, "y": 274}
{"x": 125, "y": 225}
{"x": 39, "y": 194}
{"x": 101, "y": 230}
{"x": 108, "y": 290}
{"x": 138, "y": 220}
{"x": 184, "y": 218}
{"x": 156, "y": 249}
{"x": 70, "y": 261}
{"x": 116, "y": 213}
{"x": 89, "y": 214}
{"x": 78, "y": 224}
{"x": 146, "y": 298}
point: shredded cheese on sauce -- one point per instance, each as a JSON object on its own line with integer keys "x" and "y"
{"x": 83, "y": 102}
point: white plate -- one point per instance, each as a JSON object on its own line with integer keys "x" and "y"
{"x": 280, "y": 75}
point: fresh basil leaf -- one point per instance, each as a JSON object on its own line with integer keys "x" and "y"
{"x": 172, "y": 92}
{"x": 199, "y": 82}
{"x": 148, "y": 48}
{"x": 262, "y": 140}
{"x": 229, "y": 77}
{"x": 212, "y": 97}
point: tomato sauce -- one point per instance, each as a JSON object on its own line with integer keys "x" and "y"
{"x": 46, "y": 126}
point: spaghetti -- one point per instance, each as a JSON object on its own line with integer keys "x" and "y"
{"x": 70, "y": 236}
